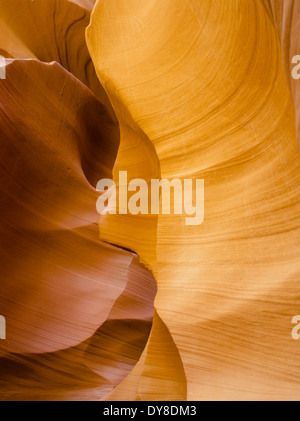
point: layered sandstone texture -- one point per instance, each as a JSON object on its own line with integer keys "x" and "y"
{"x": 145, "y": 307}
{"x": 78, "y": 311}
{"x": 202, "y": 90}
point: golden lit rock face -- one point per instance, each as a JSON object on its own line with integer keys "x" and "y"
{"x": 200, "y": 91}
{"x": 286, "y": 17}
{"x": 173, "y": 89}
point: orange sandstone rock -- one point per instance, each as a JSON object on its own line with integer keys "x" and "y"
{"x": 200, "y": 91}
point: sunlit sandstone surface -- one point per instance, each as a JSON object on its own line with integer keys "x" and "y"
{"x": 144, "y": 307}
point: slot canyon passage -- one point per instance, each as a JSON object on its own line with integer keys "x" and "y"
{"x": 173, "y": 89}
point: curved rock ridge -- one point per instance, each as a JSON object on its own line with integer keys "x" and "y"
{"x": 186, "y": 89}
{"x": 69, "y": 299}
{"x": 200, "y": 92}
{"x": 51, "y": 30}
{"x": 94, "y": 367}
{"x": 50, "y": 133}
{"x": 286, "y": 17}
